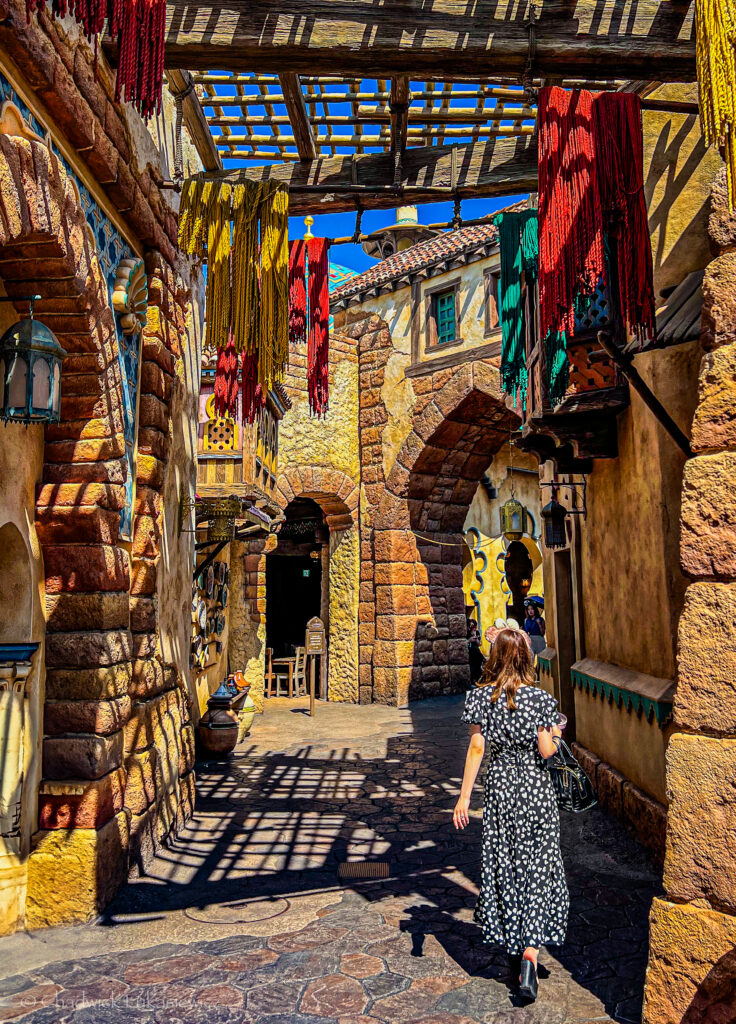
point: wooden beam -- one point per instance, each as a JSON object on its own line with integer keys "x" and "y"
{"x": 180, "y": 83}
{"x": 296, "y": 108}
{"x": 452, "y": 39}
{"x": 492, "y": 167}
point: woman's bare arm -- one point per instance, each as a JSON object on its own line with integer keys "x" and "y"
{"x": 476, "y": 749}
{"x": 545, "y": 741}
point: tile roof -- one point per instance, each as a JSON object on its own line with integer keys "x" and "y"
{"x": 424, "y": 254}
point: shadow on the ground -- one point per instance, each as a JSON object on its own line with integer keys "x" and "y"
{"x": 280, "y": 824}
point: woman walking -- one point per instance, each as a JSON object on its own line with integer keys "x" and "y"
{"x": 523, "y": 900}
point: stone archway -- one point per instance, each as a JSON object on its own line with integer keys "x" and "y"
{"x": 421, "y": 648}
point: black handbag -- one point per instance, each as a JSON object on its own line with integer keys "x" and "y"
{"x": 573, "y": 788}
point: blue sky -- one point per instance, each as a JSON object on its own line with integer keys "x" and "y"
{"x": 337, "y": 225}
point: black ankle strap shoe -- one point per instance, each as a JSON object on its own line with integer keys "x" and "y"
{"x": 529, "y": 983}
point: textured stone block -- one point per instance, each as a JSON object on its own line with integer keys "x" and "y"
{"x": 85, "y": 568}
{"x": 86, "y": 649}
{"x": 143, "y": 577}
{"x": 395, "y": 546}
{"x": 588, "y": 761}
{"x": 104, "y": 683}
{"x": 609, "y": 786}
{"x": 74, "y": 873}
{"x": 391, "y": 685}
{"x": 647, "y": 817}
{"x": 705, "y": 699}
{"x": 148, "y": 679}
{"x": 719, "y": 302}
{"x": 144, "y": 724}
{"x": 389, "y": 654}
{"x": 81, "y": 804}
{"x": 150, "y": 471}
{"x": 396, "y": 627}
{"x": 145, "y": 780}
{"x": 714, "y": 422}
{"x": 61, "y": 525}
{"x": 701, "y": 836}
{"x": 396, "y": 600}
{"x": 692, "y": 964}
{"x": 102, "y": 717}
{"x": 65, "y": 612}
{"x": 708, "y": 517}
{"x": 81, "y": 756}
{"x": 721, "y": 221}
{"x": 143, "y": 614}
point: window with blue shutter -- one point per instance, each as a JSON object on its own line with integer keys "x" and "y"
{"x": 444, "y": 306}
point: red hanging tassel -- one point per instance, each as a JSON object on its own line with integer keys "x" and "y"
{"x": 297, "y": 294}
{"x": 142, "y": 27}
{"x": 226, "y": 381}
{"x": 318, "y": 383}
{"x": 253, "y": 397}
{"x": 571, "y": 253}
{"x": 620, "y": 160}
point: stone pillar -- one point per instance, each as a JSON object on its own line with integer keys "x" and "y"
{"x": 692, "y": 965}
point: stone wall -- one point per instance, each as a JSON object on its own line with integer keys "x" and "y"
{"x": 692, "y": 969}
{"x": 118, "y": 749}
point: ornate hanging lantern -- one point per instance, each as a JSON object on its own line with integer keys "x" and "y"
{"x": 513, "y": 519}
{"x": 222, "y": 514}
{"x": 30, "y": 372}
{"x": 555, "y": 517}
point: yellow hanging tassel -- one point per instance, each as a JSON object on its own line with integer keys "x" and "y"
{"x": 274, "y": 348}
{"x": 246, "y": 314}
{"x": 218, "y": 268}
{"x": 715, "y": 27}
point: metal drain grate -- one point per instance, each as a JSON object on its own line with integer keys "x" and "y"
{"x": 363, "y": 869}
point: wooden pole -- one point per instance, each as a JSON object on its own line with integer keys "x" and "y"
{"x": 296, "y": 108}
{"x": 312, "y": 682}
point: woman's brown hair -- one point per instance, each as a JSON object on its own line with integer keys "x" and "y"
{"x": 509, "y": 666}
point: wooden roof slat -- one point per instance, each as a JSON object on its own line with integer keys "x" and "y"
{"x": 647, "y": 40}
{"x": 297, "y": 114}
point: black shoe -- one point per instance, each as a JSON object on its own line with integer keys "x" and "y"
{"x": 529, "y": 984}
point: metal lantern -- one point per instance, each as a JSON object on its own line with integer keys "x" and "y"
{"x": 222, "y": 515}
{"x": 513, "y": 519}
{"x": 554, "y": 515}
{"x": 30, "y": 373}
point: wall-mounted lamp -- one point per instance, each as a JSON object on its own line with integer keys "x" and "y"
{"x": 554, "y": 514}
{"x": 30, "y": 371}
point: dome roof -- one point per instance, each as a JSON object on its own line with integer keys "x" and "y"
{"x": 339, "y": 275}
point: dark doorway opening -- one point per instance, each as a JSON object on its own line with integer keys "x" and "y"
{"x": 294, "y": 578}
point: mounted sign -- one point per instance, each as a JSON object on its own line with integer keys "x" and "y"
{"x": 316, "y": 640}
{"x": 315, "y": 645}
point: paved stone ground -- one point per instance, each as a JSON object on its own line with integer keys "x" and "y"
{"x": 245, "y": 918}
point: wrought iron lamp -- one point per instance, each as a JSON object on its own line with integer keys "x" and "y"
{"x": 222, "y": 513}
{"x": 513, "y": 519}
{"x": 30, "y": 371}
{"x": 555, "y": 517}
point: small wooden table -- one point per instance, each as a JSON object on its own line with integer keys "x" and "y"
{"x": 290, "y": 663}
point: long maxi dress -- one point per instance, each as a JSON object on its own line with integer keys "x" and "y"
{"x": 523, "y": 893}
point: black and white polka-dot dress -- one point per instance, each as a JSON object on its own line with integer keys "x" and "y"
{"x": 523, "y": 892}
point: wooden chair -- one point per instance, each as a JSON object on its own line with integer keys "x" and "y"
{"x": 275, "y": 678}
{"x": 301, "y": 687}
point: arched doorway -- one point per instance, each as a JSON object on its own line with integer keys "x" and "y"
{"x": 297, "y": 577}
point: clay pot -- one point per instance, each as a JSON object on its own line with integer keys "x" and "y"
{"x": 218, "y": 729}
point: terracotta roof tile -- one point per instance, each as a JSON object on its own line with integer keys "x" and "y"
{"x": 423, "y": 254}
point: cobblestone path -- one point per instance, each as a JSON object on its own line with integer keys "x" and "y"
{"x": 246, "y": 918}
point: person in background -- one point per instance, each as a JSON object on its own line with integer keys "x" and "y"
{"x": 534, "y": 626}
{"x": 475, "y": 655}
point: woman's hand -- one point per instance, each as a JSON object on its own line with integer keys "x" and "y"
{"x": 461, "y": 817}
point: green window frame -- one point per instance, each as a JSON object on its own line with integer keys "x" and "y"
{"x": 445, "y": 317}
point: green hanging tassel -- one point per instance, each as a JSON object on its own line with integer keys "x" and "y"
{"x": 517, "y": 233}
{"x": 557, "y": 366}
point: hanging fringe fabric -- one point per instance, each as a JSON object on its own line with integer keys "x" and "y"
{"x": 218, "y": 270}
{"x": 274, "y": 318}
{"x": 318, "y": 381}
{"x": 297, "y": 294}
{"x": 253, "y": 395}
{"x": 619, "y": 154}
{"x": 571, "y": 258}
{"x": 715, "y": 32}
{"x": 139, "y": 27}
{"x": 246, "y": 291}
{"x": 518, "y": 251}
{"x": 226, "y": 381}
{"x": 591, "y": 182}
